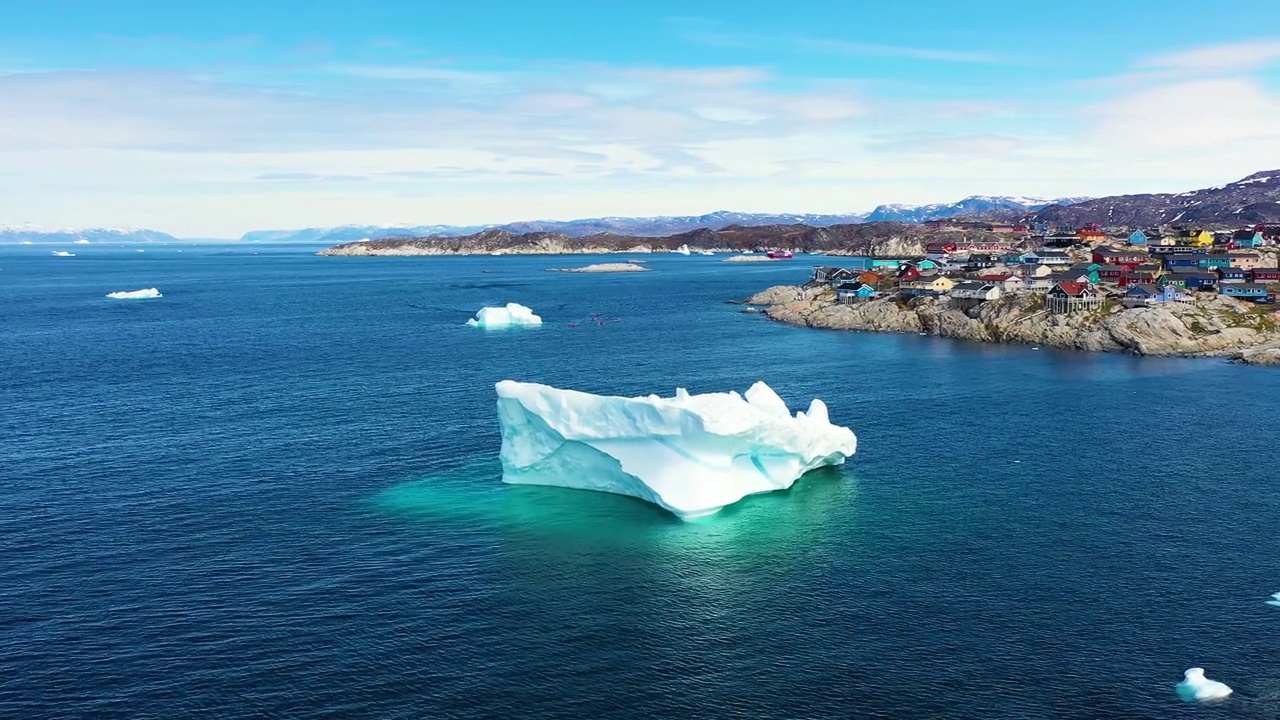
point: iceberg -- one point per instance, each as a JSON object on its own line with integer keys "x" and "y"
{"x": 682, "y": 250}
{"x": 1275, "y": 600}
{"x": 81, "y": 241}
{"x": 135, "y": 294}
{"x": 513, "y": 315}
{"x": 62, "y": 253}
{"x": 689, "y": 454}
{"x": 1197, "y": 687}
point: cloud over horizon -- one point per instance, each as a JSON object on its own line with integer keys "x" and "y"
{"x": 216, "y": 150}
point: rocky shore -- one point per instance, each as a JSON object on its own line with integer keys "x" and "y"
{"x": 1213, "y": 327}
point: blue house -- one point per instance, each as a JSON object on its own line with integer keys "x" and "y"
{"x": 1209, "y": 262}
{"x": 873, "y": 263}
{"x": 849, "y": 292}
{"x": 1233, "y": 275}
{"x": 1146, "y": 295}
{"x": 1138, "y": 238}
{"x": 1247, "y": 291}
{"x": 1247, "y": 239}
{"x": 1182, "y": 263}
{"x": 1201, "y": 281}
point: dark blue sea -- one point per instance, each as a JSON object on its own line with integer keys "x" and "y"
{"x": 274, "y": 492}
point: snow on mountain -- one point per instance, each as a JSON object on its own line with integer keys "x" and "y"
{"x": 972, "y": 205}
{"x": 29, "y": 234}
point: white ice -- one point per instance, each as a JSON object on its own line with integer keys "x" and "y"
{"x": 81, "y": 241}
{"x": 62, "y": 253}
{"x": 1197, "y": 687}
{"x": 1275, "y": 600}
{"x": 690, "y": 454}
{"x": 513, "y": 315}
{"x": 135, "y": 294}
{"x": 683, "y": 250}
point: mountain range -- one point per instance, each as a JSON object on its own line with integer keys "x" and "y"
{"x": 976, "y": 205}
{"x": 1251, "y": 200}
{"x": 663, "y": 226}
{"x": 32, "y": 234}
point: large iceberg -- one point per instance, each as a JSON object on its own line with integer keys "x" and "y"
{"x": 690, "y": 454}
{"x": 514, "y": 314}
{"x": 144, "y": 294}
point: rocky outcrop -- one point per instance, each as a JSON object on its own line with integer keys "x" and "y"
{"x": 1216, "y": 327}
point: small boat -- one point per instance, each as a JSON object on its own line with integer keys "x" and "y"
{"x": 780, "y": 255}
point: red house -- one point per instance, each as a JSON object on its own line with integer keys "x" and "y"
{"x": 1140, "y": 275}
{"x": 940, "y": 247}
{"x": 1112, "y": 256}
{"x": 1264, "y": 275}
{"x": 1111, "y": 272}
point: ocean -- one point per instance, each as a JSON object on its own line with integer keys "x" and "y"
{"x": 274, "y": 492}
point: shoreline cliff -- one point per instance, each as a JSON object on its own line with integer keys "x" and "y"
{"x": 1213, "y": 327}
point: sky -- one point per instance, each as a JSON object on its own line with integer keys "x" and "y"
{"x": 211, "y": 119}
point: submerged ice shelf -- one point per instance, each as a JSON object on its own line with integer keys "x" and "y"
{"x": 689, "y": 454}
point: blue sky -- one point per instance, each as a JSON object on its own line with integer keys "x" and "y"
{"x": 213, "y": 119}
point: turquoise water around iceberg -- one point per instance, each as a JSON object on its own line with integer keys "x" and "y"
{"x": 274, "y": 492}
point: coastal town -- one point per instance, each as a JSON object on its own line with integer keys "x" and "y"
{"x": 1073, "y": 269}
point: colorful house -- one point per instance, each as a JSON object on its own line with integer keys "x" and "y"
{"x": 1145, "y": 274}
{"x": 1201, "y": 281}
{"x": 1006, "y": 282}
{"x": 1112, "y": 256}
{"x": 1091, "y": 233}
{"x": 1246, "y": 260}
{"x": 1182, "y": 263}
{"x": 1196, "y": 238}
{"x": 1110, "y": 273}
{"x": 1232, "y": 275}
{"x": 1147, "y": 295}
{"x": 1247, "y": 239}
{"x": 1209, "y": 262}
{"x": 1066, "y": 297}
{"x": 1247, "y": 291}
{"x": 869, "y": 278}
{"x": 976, "y": 291}
{"x": 1265, "y": 275}
{"x": 927, "y": 285}
{"x": 855, "y": 291}
{"x": 1137, "y": 237}
{"x": 1047, "y": 257}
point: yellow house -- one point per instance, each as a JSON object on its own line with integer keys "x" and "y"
{"x": 928, "y": 284}
{"x": 1200, "y": 238}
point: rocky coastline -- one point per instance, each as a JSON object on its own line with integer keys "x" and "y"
{"x": 1213, "y": 327}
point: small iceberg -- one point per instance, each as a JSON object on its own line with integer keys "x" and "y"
{"x": 26, "y": 242}
{"x": 682, "y": 250}
{"x": 689, "y": 454}
{"x": 62, "y": 253}
{"x": 513, "y": 315}
{"x": 705, "y": 252}
{"x": 1197, "y": 688}
{"x": 81, "y": 241}
{"x": 1275, "y": 600}
{"x": 143, "y": 294}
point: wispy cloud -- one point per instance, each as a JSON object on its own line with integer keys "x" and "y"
{"x": 861, "y": 49}
{"x": 1244, "y": 55}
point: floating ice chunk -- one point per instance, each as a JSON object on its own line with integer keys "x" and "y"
{"x": 683, "y": 250}
{"x": 513, "y": 314}
{"x": 1275, "y": 599}
{"x": 62, "y": 253}
{"x": 690, "y": 454}
{"x": 81, "y": 241}
{"x": 1197, "y": 687}
{"x": 135, "y": 294}
{"x": 26, "y": 242}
